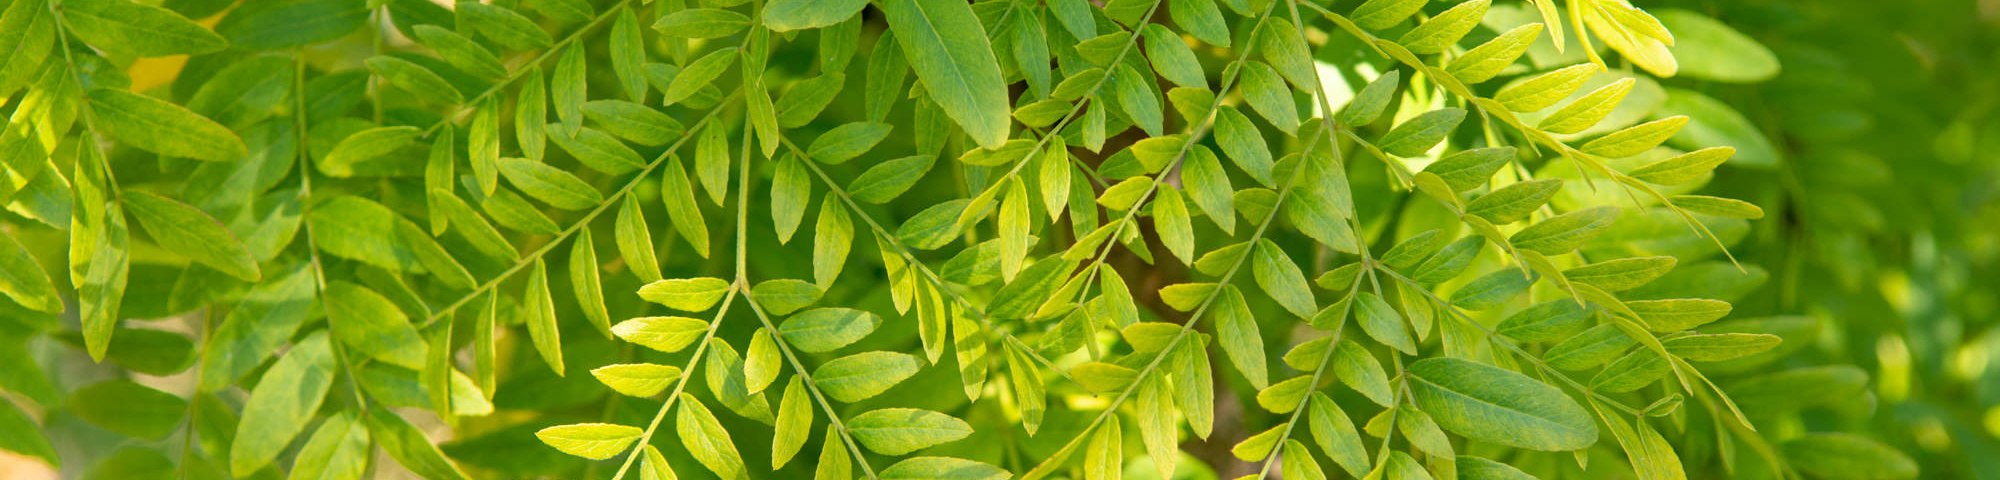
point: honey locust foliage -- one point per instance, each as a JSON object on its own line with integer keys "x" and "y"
{"x": 901, "y": 239}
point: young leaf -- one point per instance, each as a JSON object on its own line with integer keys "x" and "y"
{"x": 595, "y": 441}
{"x": 637, "y": 379}
{"x": 666, "y": 334}
{"x": 686, "y": 294}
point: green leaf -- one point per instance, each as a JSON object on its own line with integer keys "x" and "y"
{"x": 1514, "y": 202}
{"x": 1492, "y": 290}
{"x": 1239, "y": 337}
{"x": 1244, "y": 144}
{"x": 285, "y": 399}
{"x": 763, "y": 363}
{"x": 364, "y": 146}
{"x": 1563, "y": 233}
{"x": 368, "y": 322}
{"x": 1476, "y": 468}
{"x": 1721, "y": 346}
{"x": 1846, "y": 456}
{"x": 861, "y": 376}
{"x": 701, "y": 23}
{"x": 583, "y": 276}
{"x": 635, "y": 240}
{"x": 338, "y": 450}
{"x": 697, "y": 74}
{"x": 1336, "y": 435}
{"x": 1202, "y": 19}
{"x": 1382, "y": 323}
{"x": 161, "y": 127}
{"x": 1589, "y": 109}
{"x": 551, "y": 185}
{"x": 563, "y": 10}
{"x": 1621, "y": 274}
{"x": 666, "y": 334}
{"x": 791, "y": 189}
{"x": 121, "y": 26}
{"x": 631, "y": 121}
{"x": 1718, "y": 206}
{"x": 461, "y": 52}
{"x": 1481, "y": 63}
{"x": 415, "y": 79}
{"x": 1678, "y": 314}
{"x": 832, "y": 239}
{"x": 1208, "y": 185}
{"x": 22, "y": 279}
{"x": 482, "y": 145}
{"x": 686, "y": 294}
{"x": 678, "y": 195}
{"x": 504, "y": 26}
{"x": 1543, "y": 91}
{"x": 1171, "y": 221}
{"x": 887, "y": 180}
{"x": 637, "y": 379}
{"x": 788, "y": 15}
{"x": 127, "y": 408}
{"x": 951, "y": 54}
{"x": 1683, "y": 168}
{"x": 1636, "y": 139}
{"x": 1136, "y": 92}
{"x": 942, "y": 468}
{"x": 1491, "y": 404}
{"x": 1468, "y": 169}
{"x": 293, "y": 24}
{"x": 596, "y": 150}
{"x": 1418, "y": 134}
{"x": 899, "y": 431}
{"x": 1369, "y": 103}
{"x": 1279, "y": 277}
{"x": 628, "y": 55}
{"x": 1544, "y": 321}
{"x": 1444, "y": 30}
{"x": 1172, "y": 58}
{"x": 541, "y": 318}
{"x": 845, "y": 142}
{"x": 1157, "y": 427}
{"x": 706, "y": 440}
{"x": 595, "y": 441}
{"x": 1105, "y": 458}
{"x": 795, "y": 417}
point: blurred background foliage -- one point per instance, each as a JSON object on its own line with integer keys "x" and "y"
{"x": 1879, "y": 249}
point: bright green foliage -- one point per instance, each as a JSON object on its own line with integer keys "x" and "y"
{"x": 1395, "y": 239}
